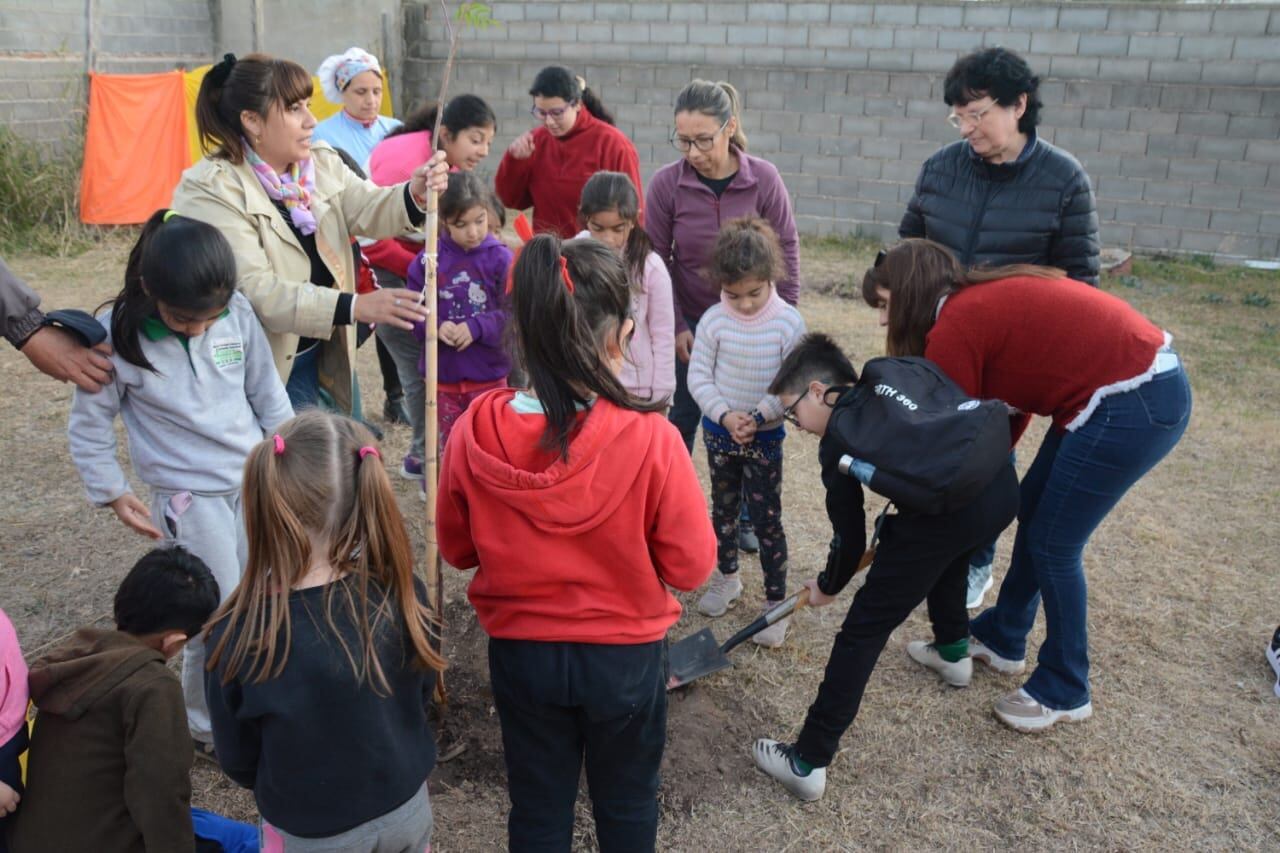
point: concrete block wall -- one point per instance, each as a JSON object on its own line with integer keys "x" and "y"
{"x": 1173, "y": 109}
{"x": 43, "y": 45}
{"x": 43, "y": 54}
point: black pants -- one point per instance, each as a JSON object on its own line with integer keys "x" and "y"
{"x": 753, "y": 482}
{"x": 10, "y": 771}
{"x": 561, "y": 703}
{"x": 920, "y": 558}
{"x": 685, "y": 413}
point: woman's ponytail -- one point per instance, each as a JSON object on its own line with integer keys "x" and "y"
{"x": 739, "y": 137}
{"x": 596, "y": 107}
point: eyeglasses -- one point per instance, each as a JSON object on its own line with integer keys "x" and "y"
{"x": 789, "y": 413}
{"x": 556, "y": 114}
{"x": 975, "y": 119}
{"x": 702, "y": 143}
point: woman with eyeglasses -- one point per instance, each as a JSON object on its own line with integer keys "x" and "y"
{"x": 1001, "y": 195}
{"x": 547, "y": 167}
{"x": 688, "y": 202}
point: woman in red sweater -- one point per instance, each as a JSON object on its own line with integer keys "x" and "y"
{"x": 546, "y": 168}
{"x": 1119, "y": 399}
{"x": 577, "y": 506}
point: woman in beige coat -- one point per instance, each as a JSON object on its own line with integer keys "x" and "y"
{"x": 290, "y": 212}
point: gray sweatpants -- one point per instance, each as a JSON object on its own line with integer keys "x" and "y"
{"x": 212, "y": 528}
{"x": 404, "y": 829}
{"x": 405, "y": 351}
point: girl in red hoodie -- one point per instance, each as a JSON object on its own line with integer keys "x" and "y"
{"x": 577, "y": 506}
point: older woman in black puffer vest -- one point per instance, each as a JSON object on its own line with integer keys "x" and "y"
{"x": 1001, "y": 195}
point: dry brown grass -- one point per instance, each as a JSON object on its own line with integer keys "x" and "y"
{"x": 1184, "y": 747}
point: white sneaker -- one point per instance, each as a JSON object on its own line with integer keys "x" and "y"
{"x": 772, "y": 636}
{"x": 1004, "y": 666}
{"x": 1019, "y": 711}
{"x": 957, "y": 673}
{"x": 775, "y": 759}
{"x": 722, "y": 591}
{"x": 980, "y": 582}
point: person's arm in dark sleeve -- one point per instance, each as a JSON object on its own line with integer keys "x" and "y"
{"x": 1077, "y": 247}
{"x": 20, "y": 314}
{"x": 845, "y": 509}
{"x": 912, "y": 224}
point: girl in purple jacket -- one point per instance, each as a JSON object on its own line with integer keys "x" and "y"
{"x": 469, "y": 309}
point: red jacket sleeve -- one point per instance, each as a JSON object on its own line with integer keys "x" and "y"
{"x": 390, "y": 255}
{"x": 681, "y": 538}
{"x": 453, "y": 518}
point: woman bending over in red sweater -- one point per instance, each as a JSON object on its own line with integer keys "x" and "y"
{"x": 1119, "y": 399}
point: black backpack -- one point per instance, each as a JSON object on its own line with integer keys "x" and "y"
{"x": 912, "y": 435}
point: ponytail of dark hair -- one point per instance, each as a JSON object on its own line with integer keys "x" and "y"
{"x": 258, "y": 83}
{"x": 461, "y": 113}
{"x": 613, "y": 191}
{"x": 563, "y": 337}
{"x": 184, "y": 263}
{"x": 556, "y": 81}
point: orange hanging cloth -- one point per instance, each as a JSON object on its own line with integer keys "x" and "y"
{"x": 135, "y": 146}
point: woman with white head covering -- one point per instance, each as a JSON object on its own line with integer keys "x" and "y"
{"x": 354, "y": 79}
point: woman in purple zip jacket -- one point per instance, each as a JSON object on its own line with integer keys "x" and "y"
{"x": 688, "y": 202}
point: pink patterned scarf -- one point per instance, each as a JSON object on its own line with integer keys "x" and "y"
{"x": 295, "y": 187}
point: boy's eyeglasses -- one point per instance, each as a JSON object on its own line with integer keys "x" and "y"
{"x": 789, "y": 413}
{"x": 958, "y": 121}
{"x": 556, "y": 114}
{"x": 702, "y": 143}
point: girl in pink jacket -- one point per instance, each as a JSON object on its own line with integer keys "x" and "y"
{"x": 609, "y": 210}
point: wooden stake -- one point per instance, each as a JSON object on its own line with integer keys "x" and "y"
{"x": 431, "y": 438}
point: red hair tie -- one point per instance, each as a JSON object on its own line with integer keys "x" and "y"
{"x": 369, "y": 450}
{"x": 523, "y": 229}
{"x": 564, "y": 273}
{"x": 279, "y": 443}
{"x": 525, "y": 232}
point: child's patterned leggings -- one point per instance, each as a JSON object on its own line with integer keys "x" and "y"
{"x": 759, "y": 480}
{"x": 452, "y": 400}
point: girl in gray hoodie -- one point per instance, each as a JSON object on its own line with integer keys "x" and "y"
{"x": 196, "y": 387}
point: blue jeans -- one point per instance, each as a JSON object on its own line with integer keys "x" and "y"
{"x": 303, "y": 386}
{"x": 1075, "y": 480}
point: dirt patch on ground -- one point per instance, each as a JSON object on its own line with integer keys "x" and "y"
{"x": 1183, "y": 750}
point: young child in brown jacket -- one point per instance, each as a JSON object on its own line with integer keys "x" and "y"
{"x": 110, "y": 759}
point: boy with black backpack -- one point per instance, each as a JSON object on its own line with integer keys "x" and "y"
{"x": 951, "y": 497}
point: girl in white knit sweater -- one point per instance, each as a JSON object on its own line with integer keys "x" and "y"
{"x": 738, "y": 348}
